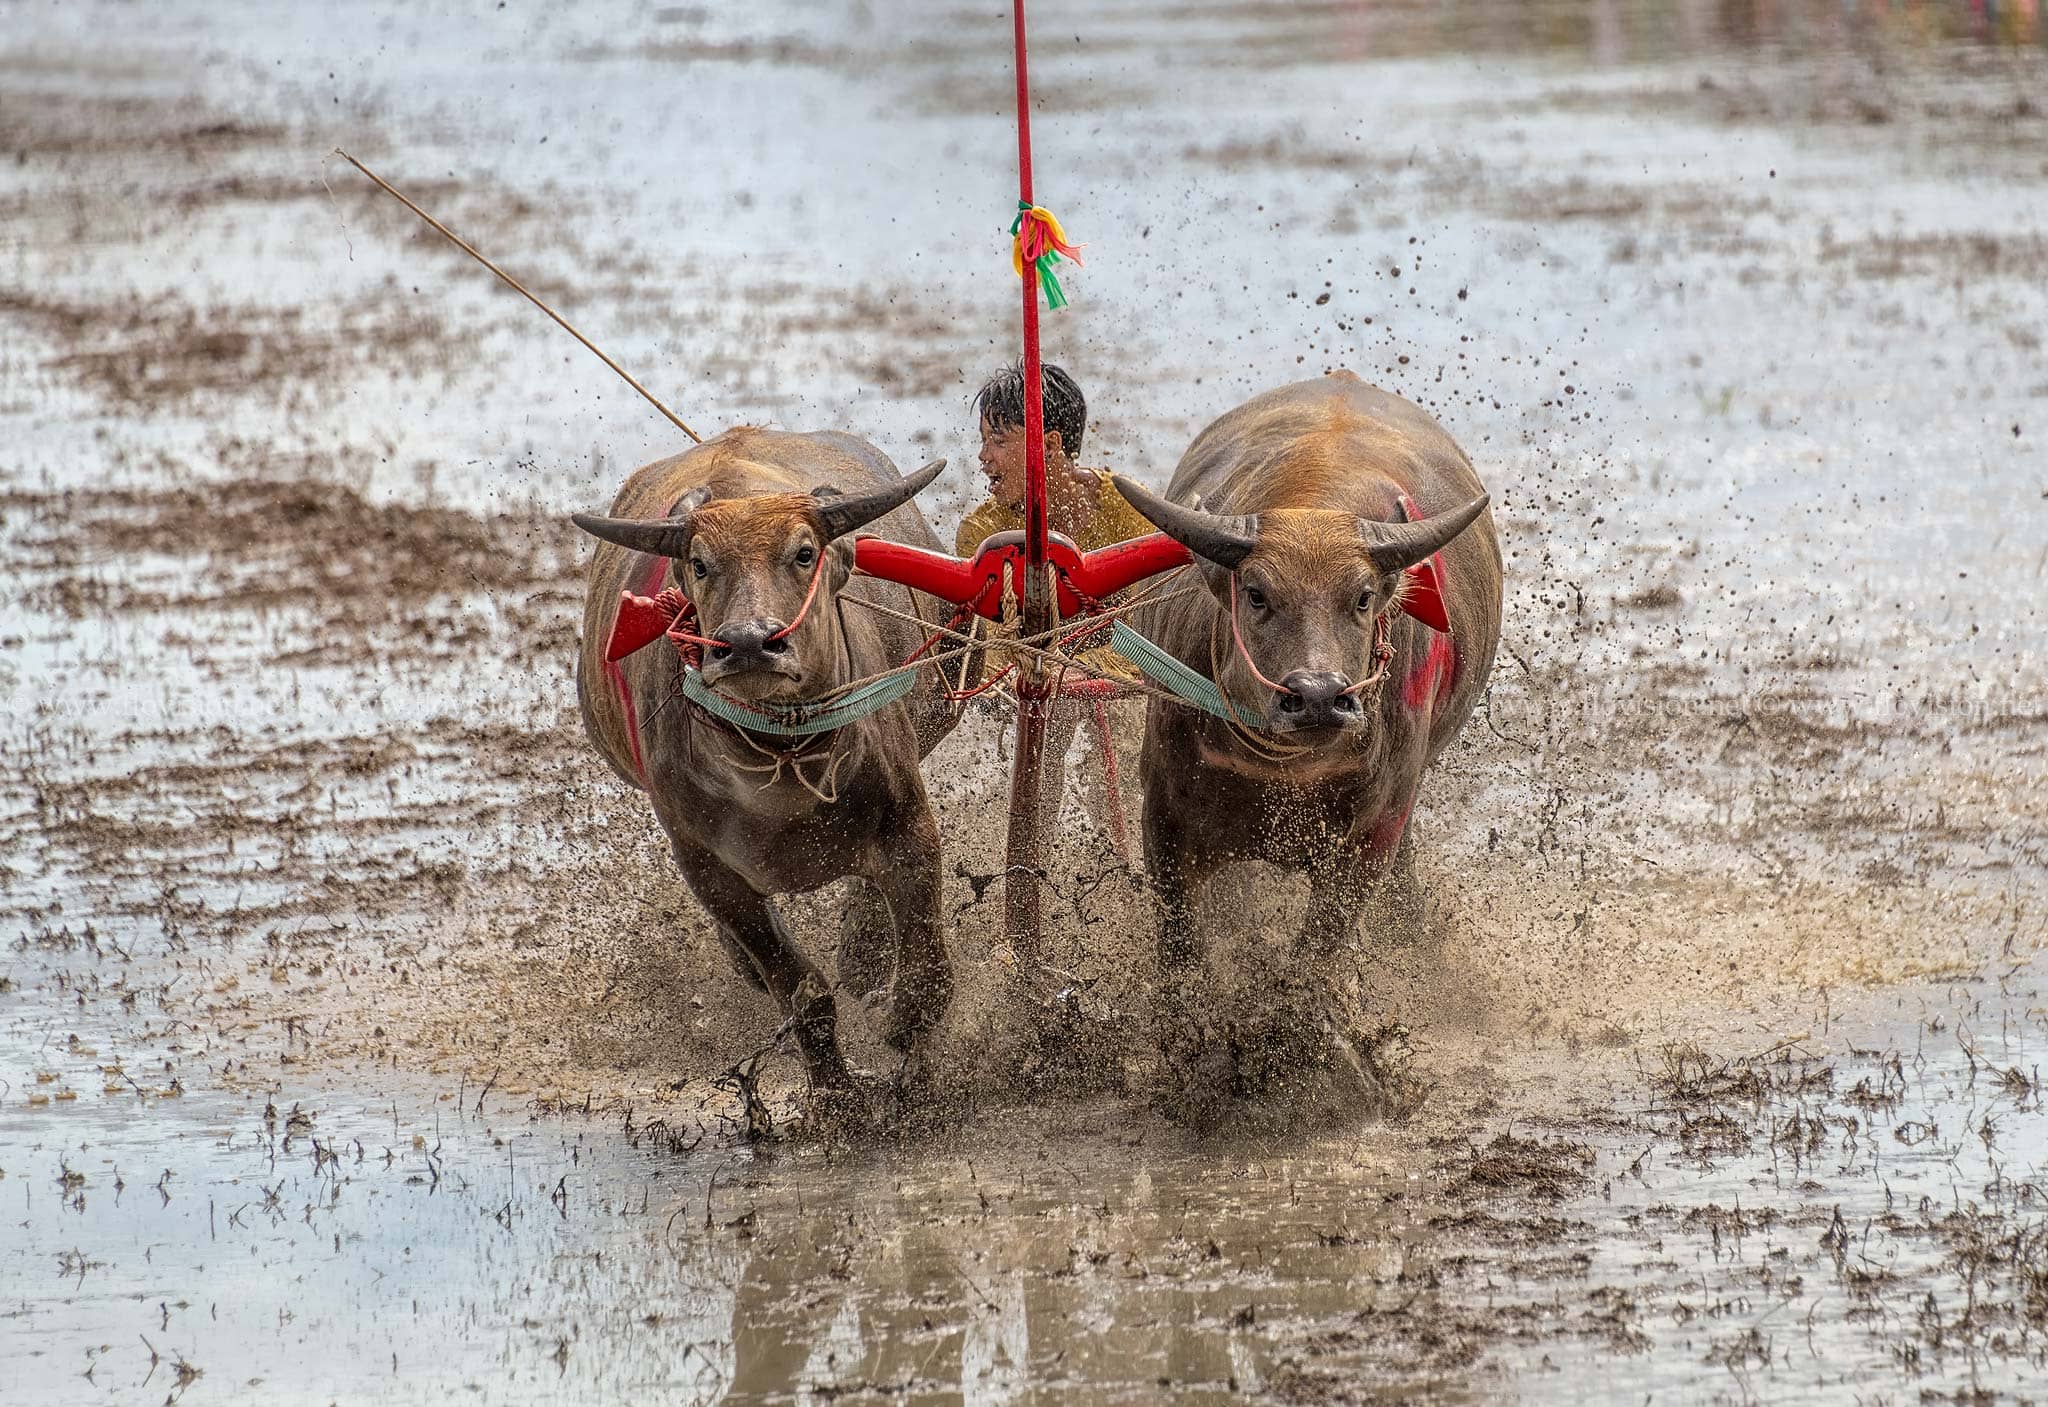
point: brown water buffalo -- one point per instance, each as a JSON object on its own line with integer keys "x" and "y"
{"x": 750, "y": 527}
{"x": 1303, "y": 507}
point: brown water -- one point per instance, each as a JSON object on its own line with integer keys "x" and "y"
{"x": 1734, "y": 885}
{"x": 1807, "y": 1222}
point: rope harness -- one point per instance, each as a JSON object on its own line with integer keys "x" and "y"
{"x": 672, "y": 615}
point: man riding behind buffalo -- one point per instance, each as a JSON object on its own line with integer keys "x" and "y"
{"x": 1081, "y": 504}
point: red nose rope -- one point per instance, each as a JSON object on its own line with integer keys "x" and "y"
{"x": 817, "y": 574}
{"x": 682, "y": 611}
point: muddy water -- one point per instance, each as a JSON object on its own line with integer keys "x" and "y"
{"x": 1797, "y": 1224}
{"x": 1734, "y": 886}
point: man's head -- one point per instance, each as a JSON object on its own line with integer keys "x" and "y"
{"x": 1000, "y": 405}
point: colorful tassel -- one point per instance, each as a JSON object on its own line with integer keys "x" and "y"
{"x": 1037, "y": 239}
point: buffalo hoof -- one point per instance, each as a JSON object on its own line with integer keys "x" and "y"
{"x": 1198, "y": 1078}
{"x": 814, "y": 1019}
{"x": 1371, "y": 1072}
{"x": 1192, "y": 1058}
{"x": 1075, "y": 1043}
{"x": 1181, "y": 1003}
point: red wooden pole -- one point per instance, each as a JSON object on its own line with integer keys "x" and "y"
{"x": 1034, "y": 390}
{"x": 1023, "y": 858}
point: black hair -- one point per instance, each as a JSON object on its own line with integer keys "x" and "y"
{"x": 1001, "y": 403}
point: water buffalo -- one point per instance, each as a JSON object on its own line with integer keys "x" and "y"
{"x": 1303, "y": 508}
{"x": 755, "y": 529}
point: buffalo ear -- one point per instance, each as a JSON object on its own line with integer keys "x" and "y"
{"x": 1395, "y": 547}
{"x": 840, "y": 567}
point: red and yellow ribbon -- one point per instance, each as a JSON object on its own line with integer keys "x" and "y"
{"x": 1037, "y": 239}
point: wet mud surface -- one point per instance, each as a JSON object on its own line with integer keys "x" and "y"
{"x": 358, "y": 1042}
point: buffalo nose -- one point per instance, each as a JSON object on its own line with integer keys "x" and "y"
{"x": 1316, "y": 698}
{"x": 749, "y": 644}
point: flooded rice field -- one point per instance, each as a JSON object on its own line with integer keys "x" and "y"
{"x": 358, "y": 1040}
{"x": 1800, "y": 1223}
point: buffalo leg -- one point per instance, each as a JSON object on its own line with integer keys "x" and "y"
{"x": 750, "y": 924}
{"x": 1336, "y": 888}
{"x": 1180, "y": 868}
{"x": 1340, "y": 883}
{"x": 908, "y": 874}
{"x": 1180, "y": 871}
{"x": 1402, "y": 892}
{"x": 742, "y": 960}
{"x": 867, "y": 932}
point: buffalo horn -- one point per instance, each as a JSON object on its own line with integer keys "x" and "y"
{"x": 659, "y": 537}
{"x": 842, "y": 513}
{"x": 1210, "y": 536}
{"x": 1395, "y": 547}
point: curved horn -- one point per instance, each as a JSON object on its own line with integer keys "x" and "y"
{"x": 842, "y": 513}
{"x": 1212, "y": 536}
{"x": 1395, "y": 547}
{"x": 659, "y": 537}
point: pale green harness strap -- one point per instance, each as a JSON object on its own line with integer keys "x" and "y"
{"x": 797, "y": 720}
{"x": 1166, "y": 671}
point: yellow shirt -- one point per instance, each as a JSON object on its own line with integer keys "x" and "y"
{"x": 1114, "y": 521}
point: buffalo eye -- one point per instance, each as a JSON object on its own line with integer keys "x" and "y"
{"x": 1255, "y": 597}
{"x": 698, "y": 569}
{"x": 1365, "y": 599}
{"x": 806, "y": 555}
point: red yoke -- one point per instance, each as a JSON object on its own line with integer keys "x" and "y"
{"x": 1082, "y": 577}
{"x": 1083, "y": 580}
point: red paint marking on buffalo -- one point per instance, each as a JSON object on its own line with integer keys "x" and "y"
{"x": 1385, "y": 834}
{"x": 1430, "y": 683}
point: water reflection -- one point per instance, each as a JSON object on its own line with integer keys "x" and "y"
{"x": 1031, "y": 1270}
